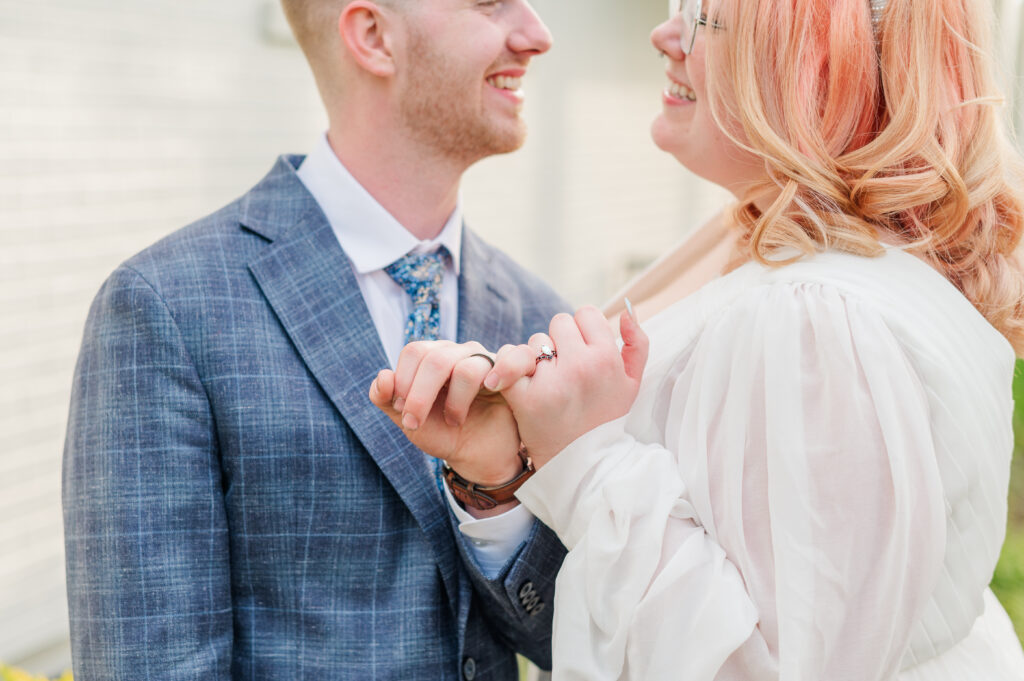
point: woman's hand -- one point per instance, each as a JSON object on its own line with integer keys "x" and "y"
{"x": 434, "y": 395}
{"x": 588, "y": 383}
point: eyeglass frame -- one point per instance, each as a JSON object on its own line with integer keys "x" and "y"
{"x": 699, "y": 19}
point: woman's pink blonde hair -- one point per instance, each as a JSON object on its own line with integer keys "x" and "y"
{"x": 896, "y": 137}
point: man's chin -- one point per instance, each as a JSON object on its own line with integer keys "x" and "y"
{"x": 512, "y": 139}
{"x": 496, "y": 145}
{"x": 512, "y": 145}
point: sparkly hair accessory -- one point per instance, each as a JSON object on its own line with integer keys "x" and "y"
{"x": 877, "y": 7}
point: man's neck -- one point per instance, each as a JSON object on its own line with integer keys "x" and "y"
{"x": 419, "y": 192}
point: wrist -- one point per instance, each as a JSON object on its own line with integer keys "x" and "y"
{"x": 491, "y": 476}
{"x": 479, "y": 513}
{"x": 476, "y": 495}
{"x": 541, "y": 454}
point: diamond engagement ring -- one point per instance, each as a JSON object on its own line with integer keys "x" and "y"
{"x": 546, "y": 353}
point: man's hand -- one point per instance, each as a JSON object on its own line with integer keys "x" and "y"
{"x": 434, "y": 395}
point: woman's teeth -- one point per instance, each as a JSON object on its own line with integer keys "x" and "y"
{"x": 680, "y": 91}
{"x": 505, "y": 82}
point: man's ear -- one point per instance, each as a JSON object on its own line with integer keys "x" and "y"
{"x": 366, "y": 33}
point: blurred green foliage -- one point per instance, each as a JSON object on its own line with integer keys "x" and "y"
{"x": 1008, "y": 583}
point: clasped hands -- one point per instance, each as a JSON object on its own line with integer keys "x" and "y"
{"x": 454, "y": 405}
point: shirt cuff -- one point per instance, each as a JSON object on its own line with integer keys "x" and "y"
{"x": 493, "y": 541}
{"x": 555, "y": 494}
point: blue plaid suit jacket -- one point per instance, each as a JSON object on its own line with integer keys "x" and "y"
{"x": 234, "y": 505}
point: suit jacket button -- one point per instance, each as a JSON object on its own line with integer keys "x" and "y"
{"x": 530, "y": 599}
{"x": 469, "y": 669}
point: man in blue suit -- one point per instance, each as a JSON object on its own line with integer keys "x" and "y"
{"x": 235, "y": 507}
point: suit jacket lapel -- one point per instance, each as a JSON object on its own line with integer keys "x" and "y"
{"x": 308, "y": 281}
{"x": 490, "y": 310}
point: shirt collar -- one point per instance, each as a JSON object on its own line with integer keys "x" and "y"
{"x": 370, "y": 236}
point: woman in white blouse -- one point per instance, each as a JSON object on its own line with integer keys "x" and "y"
{"x": 803, "y": 473}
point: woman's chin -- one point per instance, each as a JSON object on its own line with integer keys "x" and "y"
{"x": 661, "y": 134}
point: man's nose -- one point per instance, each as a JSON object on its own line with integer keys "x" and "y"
{"x": 530, "y": 34}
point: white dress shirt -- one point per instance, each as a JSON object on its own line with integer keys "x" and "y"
{"x": 373, "y": 239}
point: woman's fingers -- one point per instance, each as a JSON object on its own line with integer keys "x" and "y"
{"x": 539, "y": 340}
{"x": 513, "y": 362}
{"x": 543, "y": 349}
{"x": 594, "y": 326}
{"x": 565, "y": 335}
{"x": 635, "y": 346}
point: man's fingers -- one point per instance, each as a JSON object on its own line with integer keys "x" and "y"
{"x": 463, "y": 388}
{"x": 405, "y": 371}
{"x": 382, "y": 388}
{"x": 382, "y": 392}
{"x": 432, "y": 375}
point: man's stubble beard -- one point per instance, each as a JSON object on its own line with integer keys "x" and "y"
{"x": 435, "y": 109}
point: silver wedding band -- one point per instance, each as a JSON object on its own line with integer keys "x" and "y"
{"x": 487, "y": 357}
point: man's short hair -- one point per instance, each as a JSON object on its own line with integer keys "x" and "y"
{"x": 313, "y": 22}
{"x": 315, "y": 25}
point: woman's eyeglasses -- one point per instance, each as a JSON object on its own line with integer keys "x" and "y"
{"x": 692, "y": 17}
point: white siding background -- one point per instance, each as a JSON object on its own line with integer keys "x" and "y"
{"x": 121, "y": 121}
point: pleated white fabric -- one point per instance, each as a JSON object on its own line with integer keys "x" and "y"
{"x": 811, "y": 485}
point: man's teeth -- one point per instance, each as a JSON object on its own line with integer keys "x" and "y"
{"x": 505, "y": 82}
{"x": 680, "y": 91}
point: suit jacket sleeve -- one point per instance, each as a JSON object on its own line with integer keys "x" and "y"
{"x": 518, "y": 601}
{"x": 145, "y": 527}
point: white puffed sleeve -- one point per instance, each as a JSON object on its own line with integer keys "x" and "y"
{"x": 788, "y": 524}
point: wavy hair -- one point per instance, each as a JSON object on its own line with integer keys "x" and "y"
{"x": 868, "y": 138}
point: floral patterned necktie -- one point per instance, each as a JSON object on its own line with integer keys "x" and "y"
{"x": 420, "y": 275}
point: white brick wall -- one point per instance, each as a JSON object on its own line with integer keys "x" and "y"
{"x": 119, "y": 121}
{"x": 123, "y": 120}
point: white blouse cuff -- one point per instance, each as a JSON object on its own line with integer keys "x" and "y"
{"x": 551, "y": 494}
